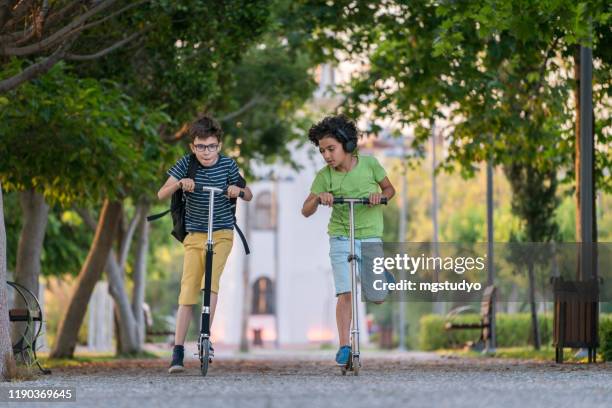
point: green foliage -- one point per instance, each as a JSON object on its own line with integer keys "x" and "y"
{"x": 467, "y": 227}
{"x": 566, "y": 219}
{"x": 605, "y": 337}
{"x": 391, "y": 221}
{"x": 86, "y": 131}
{"x": 66, "y": 241}
{"x": 501, "y": 72}
{"x": 513, "y": 330}
{"x": 228, "y": 58}
{"x": 186, "y": 57}
{"x": 534, "y": 200}
{"x": 383, "y": 313}
{"x": 461, "y": 209}
{"x": 268, "y": 88}
{"x": 77, "y": 140}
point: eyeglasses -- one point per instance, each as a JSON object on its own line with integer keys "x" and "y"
{"x": 202, "y": 147}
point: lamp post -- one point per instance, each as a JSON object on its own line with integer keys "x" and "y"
{"x": 402, "y": 238}
{"x": 492, "y": 342}
{"x": 587, "y": 192}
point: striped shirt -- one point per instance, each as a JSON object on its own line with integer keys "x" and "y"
{"x": 221, "y": 175}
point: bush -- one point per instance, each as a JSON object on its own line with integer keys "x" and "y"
{"x": 605, "y": 336}
{"x": 513, "y": 330}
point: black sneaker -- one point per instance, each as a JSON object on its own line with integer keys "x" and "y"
{"x": 176, "y": 366}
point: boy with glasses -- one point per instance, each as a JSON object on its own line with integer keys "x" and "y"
{"x": 215, "y": 170}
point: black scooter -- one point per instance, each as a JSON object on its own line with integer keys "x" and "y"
{"x": 204, "y": 337}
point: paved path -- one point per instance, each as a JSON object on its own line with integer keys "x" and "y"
{"x": 310, "y": 380}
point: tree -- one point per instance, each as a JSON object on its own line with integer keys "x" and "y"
{"x": 144, "y": 160}
{"x": 534, "y": 200}
{"x": 487, "y": 67}
{"x": 7, "y": 362}
{"x": 39, "y": 110}
{"x": 129, "y": 315}
{"x": 95, "y": 128}
{"x": 88, "y": 277}
{"x": 261, "y": 108}
{"x": 186, "y": 63}
{"x": 31, "y": 28}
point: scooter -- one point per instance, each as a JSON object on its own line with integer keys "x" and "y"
{"x": 204, "y": 337}
{"x": 354, "y": 364}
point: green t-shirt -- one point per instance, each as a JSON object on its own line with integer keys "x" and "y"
{"x": 360, "y": 182}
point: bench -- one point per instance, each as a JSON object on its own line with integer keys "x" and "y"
{"x": 27, "y": 325}
{"x": 486, "y": 317}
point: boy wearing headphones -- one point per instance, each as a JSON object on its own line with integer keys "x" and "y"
{"x": 347, "y": 174}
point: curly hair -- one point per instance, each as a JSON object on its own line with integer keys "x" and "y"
{"x": 205, "y": 126}
{"x": 335, "y": 127}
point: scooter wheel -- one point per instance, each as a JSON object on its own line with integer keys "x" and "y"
{"x": 204, "y": 356}
{"x": 356, "y": 366}
{"x": 348, "y": 366}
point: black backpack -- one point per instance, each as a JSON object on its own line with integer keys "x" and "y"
{"x": 178, "y": 203}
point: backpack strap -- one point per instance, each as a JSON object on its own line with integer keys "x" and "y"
{"x": 192, "y": 169}
{"x": 242, "y": 184}
{"x": 245, "y": 244}
{"x": 157, "y": 216}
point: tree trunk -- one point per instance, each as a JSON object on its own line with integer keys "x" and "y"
{"x": 118, "y": 332}
{"x": 35, "y": 215}
{"x": 126, "y": 326}
{"x": 140, "y": 274}
{"x": 127, "y": 329}
{"x": 27, "y": 270}
{"x": 91, "y": 271}
{"x": 534, "y": 311}
{"x": 127, "y": 322}
{"x": 7, "y": 362}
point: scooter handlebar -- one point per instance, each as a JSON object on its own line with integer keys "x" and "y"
{"x": 216, "y": 190}
{"x": 346, "y": 200}
{"x": 240, "y": 194}
{"x": 207, "y": 189}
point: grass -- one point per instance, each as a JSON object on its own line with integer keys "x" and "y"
{"x": 83, "y": 359}
{"x": 521, "y": 353}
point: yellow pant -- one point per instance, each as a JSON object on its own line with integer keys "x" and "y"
{"x": 193, "y": 265}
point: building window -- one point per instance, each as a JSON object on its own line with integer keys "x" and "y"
{"x": 264, "y": 211}
{"x": 263, "y": 297}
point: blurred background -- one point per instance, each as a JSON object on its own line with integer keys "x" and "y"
{"x": 473, "y": 108}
